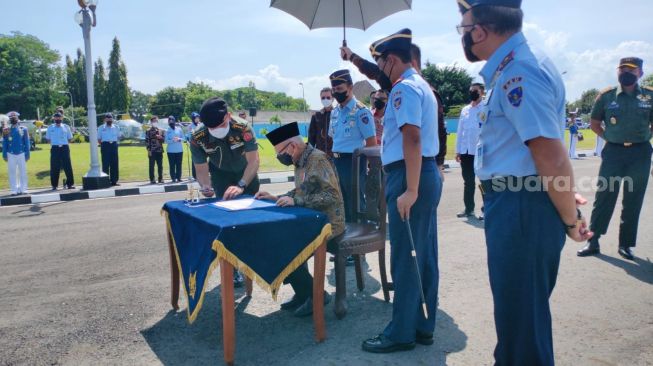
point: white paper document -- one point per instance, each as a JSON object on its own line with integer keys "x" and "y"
{"x": 242, "y": 204}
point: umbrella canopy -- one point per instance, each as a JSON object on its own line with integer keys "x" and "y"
{"x": 359, "y": 14}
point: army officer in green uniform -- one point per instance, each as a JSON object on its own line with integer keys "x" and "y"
{"x": 627, "y": 112}
{"x": 232, "y": 153}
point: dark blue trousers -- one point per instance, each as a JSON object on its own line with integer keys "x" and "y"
{"x": 524, "y": 235}
{"x": 110, "y": 160}
{"x": 407, "y": 316}
{"x": 344, "y": 169}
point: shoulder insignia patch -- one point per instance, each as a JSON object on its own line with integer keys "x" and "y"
{"x": 515, "y": 96}
{"x": 199, "y": 134}
{"x": 360, "y": 105}
{"x": 365, "y": 119}
{"x": 608, "y": 89}
{"x": 396, "y": 102}
{"x": 506, "y": 61}
{"x": 239, "y": 125}
{"x": 247, "y": 137}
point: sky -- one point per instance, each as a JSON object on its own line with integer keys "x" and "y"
{"x": 227, "y": 43}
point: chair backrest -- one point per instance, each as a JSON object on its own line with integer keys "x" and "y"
{"x": 375, "y": 207}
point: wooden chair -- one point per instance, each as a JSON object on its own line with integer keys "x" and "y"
{"x": 367, "y": 233}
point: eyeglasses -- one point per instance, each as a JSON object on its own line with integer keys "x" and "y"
{"x": 461, "y": 28}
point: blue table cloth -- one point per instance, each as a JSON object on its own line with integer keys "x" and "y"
{"x": 265, "y": 244}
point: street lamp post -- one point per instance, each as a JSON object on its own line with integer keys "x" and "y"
{"x": 72, "y": 108}
{"x": 94, "y": 178}
{"x": 303, "y": 99}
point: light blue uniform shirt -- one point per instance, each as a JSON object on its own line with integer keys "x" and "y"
{"x": 411, "y": 102}
{"x": 16, "y": 141}
{"x": 108, "y": 134}
{"x": 175, "y": 146}
{"x": 58, "y": 135}
{"x": 525, "y": 100}
{"x": 350, "y": 126}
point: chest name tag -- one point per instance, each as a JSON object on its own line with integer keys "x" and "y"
{"x": 235, "y": 146}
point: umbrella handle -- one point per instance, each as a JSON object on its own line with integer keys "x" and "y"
{"x": 343, "y": 55}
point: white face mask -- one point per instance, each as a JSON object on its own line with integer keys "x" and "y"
{"x": 219, "y": 132}
{"x": 327, "y": 102}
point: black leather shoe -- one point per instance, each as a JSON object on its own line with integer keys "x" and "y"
{"x": 307, "y": 307}
{"x": 465, "y": 214}
{"x": 381, "y": 344}
{"x": 626, "y": 253}
{"x": 425, "y": 339}
{"x": 293, "y": 303}
{"x": 591, "y": 248}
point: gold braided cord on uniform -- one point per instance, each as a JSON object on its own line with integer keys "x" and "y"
{"x": 465, "y": 4}
{"x": 383, "y": 40}
{"x": 273, "y": 287}
{"x": 212, "y": 267}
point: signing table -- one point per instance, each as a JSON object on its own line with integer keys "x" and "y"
{"x": 265, "y": 244}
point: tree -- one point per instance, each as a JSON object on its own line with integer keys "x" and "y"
{"x": 169, "y": 101}
{"x": 100, "y": 86}
{"x": 30, "y": 75}
{"x": 117, "y": 92}
{"x": 452, "y": 82}
{"x": 585, "y": 102}
{"x": 647, "y": 81}
{"x": 195, "y": 95}
{"x": 140, "y": 105}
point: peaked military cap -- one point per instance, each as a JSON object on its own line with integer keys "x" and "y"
{"x": 283, "y": 133}
{"x": 634, "y": 62}
{"x": 213, "y": 111}
{"x": 399, "y": 41}
{"x": 465, "y": 5}
{"x": 339, "y": 77}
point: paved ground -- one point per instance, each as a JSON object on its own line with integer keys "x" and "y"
{"x": 87, "y": 282}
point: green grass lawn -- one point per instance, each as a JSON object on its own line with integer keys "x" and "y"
{"x": 134, "y": 163}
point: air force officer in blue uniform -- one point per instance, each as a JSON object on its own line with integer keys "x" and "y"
{"x": 526, "y": 178}
{"x": 412, "y": 191}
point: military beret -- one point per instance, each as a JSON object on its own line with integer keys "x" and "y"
{"x": 283, "y": 133}
{"x": 108, "y": 115}
{"x": 399, "y": 41}
{"x": 465, "y": 5}
{"x": 13, "y": 114}
{"x": 57, "y": 115}
{"x": 213, "y": 111}
{"x": 339, "y": 77}
{"x": 634, "y": 62}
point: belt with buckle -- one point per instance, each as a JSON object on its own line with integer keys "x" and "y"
{"x": 342, "y": 155}
{"x": 626, "y": 144}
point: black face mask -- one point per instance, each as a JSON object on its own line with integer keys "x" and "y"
{"x": 172, "y": 125}
{"x": 379, "y": 104}
{"x": 285, "y": 159}
{"x": 13, "y": 121}
{"x": 474, "y": 95}
{"x": 341, "y": 97}
{"x": 468, "y": 42}
{"x": 109, "y": 123}
{"x": 627, "y": 79}
{"x": 57, "y": 121}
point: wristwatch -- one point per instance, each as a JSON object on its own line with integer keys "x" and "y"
{"x": 242, "y": 184}
{"x": 579, "y": 216}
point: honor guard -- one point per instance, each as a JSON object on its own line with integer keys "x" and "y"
{"x": 412, "y": 191}
{"x": 526, "y": 177}
{"x": 15, "y": 151}
{"x": 351, "y": 127}
{"x": 623, "y": 116}
{"x": 59, "y": 135}
{"x": 108, "y": 136}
